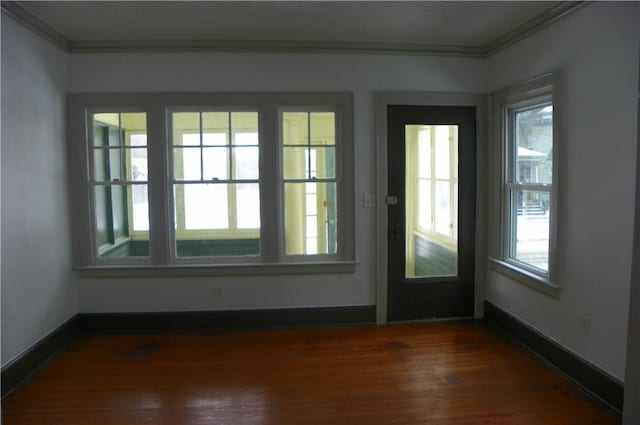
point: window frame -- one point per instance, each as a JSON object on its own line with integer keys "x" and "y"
{"x": 210, "y": 234}
{"x": 93, "y": 249}
{"x": 338, "y": 171}
{"x": 506, "y": 103}
{"x": 161, "y": 260}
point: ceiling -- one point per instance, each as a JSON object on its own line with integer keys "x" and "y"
{"x": 455, "y": 27}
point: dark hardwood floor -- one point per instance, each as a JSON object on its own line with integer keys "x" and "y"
{"x": 448, "y": 373}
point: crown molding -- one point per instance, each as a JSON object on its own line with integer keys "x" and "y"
{"x": 296, "y": 46}
{"x": 538, "y": 22}
{"x": 34, "y": 23}
{"x": 39, "y": 26}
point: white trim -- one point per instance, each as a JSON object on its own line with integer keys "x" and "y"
{"x": 339, "y": 171}
{"x": 34, "y": 23}
{"x": 522, "y": 275}
{"x": 94, "y": 250}
{"x": 535, "y": 24}
{"x": 382, "y": 100}
{"x": 534, "y": 91}
{"x": 158, "y": 107}
{"x": 231, "y": 269}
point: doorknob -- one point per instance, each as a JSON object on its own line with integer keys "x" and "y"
{"x": 391, "y": 200}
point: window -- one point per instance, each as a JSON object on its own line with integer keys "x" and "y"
{"x": 310, "y": 183}
{"x": 529, "y": 182}
{"x": 527, "y": 118}
{"x": 119, "y": 181}
{"x": 216, "y": 191}
{"x": 216, "y": 180}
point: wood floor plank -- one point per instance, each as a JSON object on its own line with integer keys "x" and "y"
{"x": 447, "y": 373}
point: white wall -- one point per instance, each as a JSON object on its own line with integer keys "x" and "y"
{"x": 37, "y": 291}
{"x": 596, "y": 53}
{"x": 267, "y": 72}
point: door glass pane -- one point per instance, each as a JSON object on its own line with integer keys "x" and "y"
{"x": 443, "y": 208}
{"x": 431, "y": 198}
{"x": 443, "y": 150}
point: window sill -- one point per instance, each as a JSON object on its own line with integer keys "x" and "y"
{"x": 525, "y": 277}
{"x": 217, "y": 270}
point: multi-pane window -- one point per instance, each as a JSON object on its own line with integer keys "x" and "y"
{"x": 310, "y": 183}
{"x": 216, "y": 183}
{"x": 525, "y": 124}
{"x": 529, "y": 183}
{"x": 120, "y": 184}
{"x": 224, "y": 179}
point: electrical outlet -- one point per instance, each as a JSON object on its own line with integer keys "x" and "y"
{"x": 585, "y": 326}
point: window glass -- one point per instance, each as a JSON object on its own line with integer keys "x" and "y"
{"x": 245, "y": 162}
{"x": 120, "y": 184}
{"x": 199, "y": 188}
{"x": 295, "y": 128}
{"x": 529, "y": 143}
{"x": 534, "y": 142}
{"x": 216, "y": 190}
{"x": 310, "y": 188}
{"x": 530, "y": 228}
{"x": 310, "y": 218}
{"x": 323, "y": 128}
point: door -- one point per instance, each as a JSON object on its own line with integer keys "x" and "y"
{"x": 431, "y": 211}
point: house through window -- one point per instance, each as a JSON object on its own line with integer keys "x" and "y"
{"x": 529, "y": 183}
{"x": 525, "y": 120}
